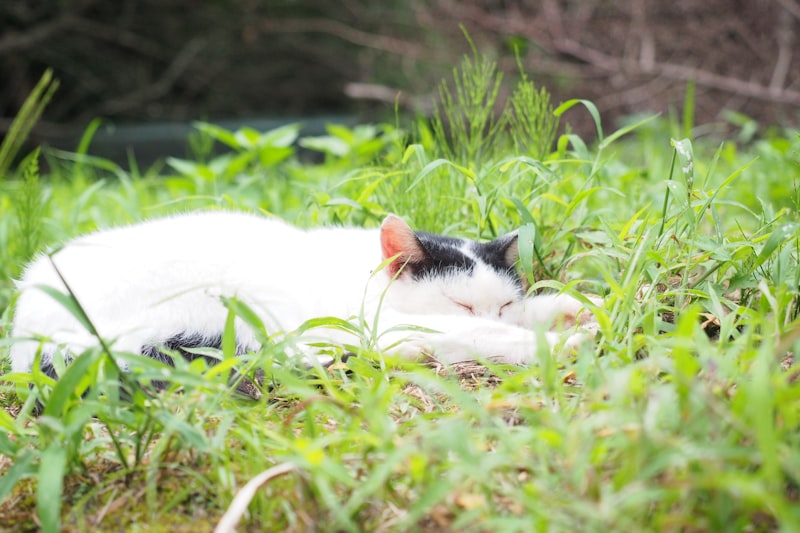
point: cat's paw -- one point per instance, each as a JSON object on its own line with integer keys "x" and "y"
{"x": 413, "y": 347}
{"x": 586, "y": 333}
{"x": 570, "y": 311}
{"x": 493, "y": 342}
{"x": 559, "y": 311}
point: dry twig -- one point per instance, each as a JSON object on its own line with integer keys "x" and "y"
{"x": 238, "y": 506}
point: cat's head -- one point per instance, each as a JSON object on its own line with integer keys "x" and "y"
{"x": 434, "y": 274}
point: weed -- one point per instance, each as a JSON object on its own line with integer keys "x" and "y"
{"x": 683, "y": 415}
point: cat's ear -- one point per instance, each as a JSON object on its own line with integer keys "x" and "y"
{"x": 507, "y": 245}
{"x": 397, "y": 237}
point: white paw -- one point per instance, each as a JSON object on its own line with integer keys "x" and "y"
{"x": 413, "y": 347}
{"x": 560, "y": 311}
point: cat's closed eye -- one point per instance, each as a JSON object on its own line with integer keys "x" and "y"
{"x": 466, "y": 307}
{"x": 504, "y": 307}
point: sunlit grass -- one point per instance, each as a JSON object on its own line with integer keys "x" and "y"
{"x": 683, "y": 416}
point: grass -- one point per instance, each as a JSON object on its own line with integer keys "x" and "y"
{"x": 683, "y": 416}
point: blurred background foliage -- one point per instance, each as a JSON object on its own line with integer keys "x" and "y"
{"x": 178, "y": 60}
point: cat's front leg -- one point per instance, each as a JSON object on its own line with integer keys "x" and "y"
{"x": 453, "y": 339}
{"x": 560, "y": 311}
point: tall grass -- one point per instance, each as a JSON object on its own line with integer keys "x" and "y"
{"x": 684, "y": 415}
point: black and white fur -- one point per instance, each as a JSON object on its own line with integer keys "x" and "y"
{"x": 159, "y": 284}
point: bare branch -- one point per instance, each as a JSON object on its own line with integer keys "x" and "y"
{"x": 13, "y": 41}
{"x": 373, "y": 91}
{"x": 682, "y": 73}
{"x": 785, "y": 36}
{"x": 238, "y": 506}
{"x": 647, "y": 45}
{"x": 389, "y": 95}
{"x": 16, "y": 41}
{"x": 120, "y": 37}
{"x": 792, "y": 6}
{"x": 552, "y": 13}
{"x": 345, "y": 32}
{"x": 553, "y": 37}
{"x": 161, "y": 87}
{"x": 635, "y": 95}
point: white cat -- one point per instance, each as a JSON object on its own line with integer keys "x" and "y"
{"x": 159, "y": 284}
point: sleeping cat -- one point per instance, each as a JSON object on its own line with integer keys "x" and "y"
{"x": 156, "y": 287}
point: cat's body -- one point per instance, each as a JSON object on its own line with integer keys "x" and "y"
{"x": 160, "y": 283}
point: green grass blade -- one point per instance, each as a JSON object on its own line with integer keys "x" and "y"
{"x": 27, "y": 117}
{"x": 74, "y": 382}
{"x": 50, "y": 482}
{"x": 24, "y": 466}
{"x": 590, "y": 107}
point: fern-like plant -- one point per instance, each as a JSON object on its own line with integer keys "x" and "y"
{"x": 469, "y": 128}
{"x": 29, "y": 201}
{"x": 531, "y": 121}
{"x": 29, "y": 208}
{"x": 465, "y": 124}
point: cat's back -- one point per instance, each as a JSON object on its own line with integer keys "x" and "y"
{"x": 201, "y": 231}
{"x": 107, "y": 256}
{"x": 206, "y": 245}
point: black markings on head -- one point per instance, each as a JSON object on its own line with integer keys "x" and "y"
{"x": 443, "y": 257}
{"x": 501, "y": 255}
{"x": 423, "y": 255}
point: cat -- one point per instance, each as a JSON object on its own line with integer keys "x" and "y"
{"x": 157, "y": 286}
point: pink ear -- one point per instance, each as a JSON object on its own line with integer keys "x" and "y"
{"x": 397, "y": 237}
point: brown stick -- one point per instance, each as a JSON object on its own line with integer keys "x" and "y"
{"x": 345, "y": 32}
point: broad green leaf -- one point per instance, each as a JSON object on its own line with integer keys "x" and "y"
{"x": 22, "y": 467}
{"x": 523, "y": 212}
{"x": 683, "y": 148}
{"x": 50, "y": 482}
{"x": 7, "y": 424}
{"x": 427, "y": 169}
{"x": 328, "y": 322}
{"x": 193, "y": 436}
{"x": 327, "y": 144}
{"x": 526, "y": 243}
{"x": 186, "y": 168}
{"x": 247, "y": 314}
{"x": 247, "y": 137}
{"x": 417, "y": 150}
{"x": 343, "y": 201}
{"x": 229, "y": 336}
{"x": 590, "y": 107}
{"x": 779, "y": 236}
{"x": 342, "y": 132}
{"x": 282, "y": 137}
{"x": 625, "y": 130}
{"x": 72, "y": 383}
{"x": 272, "y": 155}
{"x": 364, "y": 133}
{"x": 218, "y": 133}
